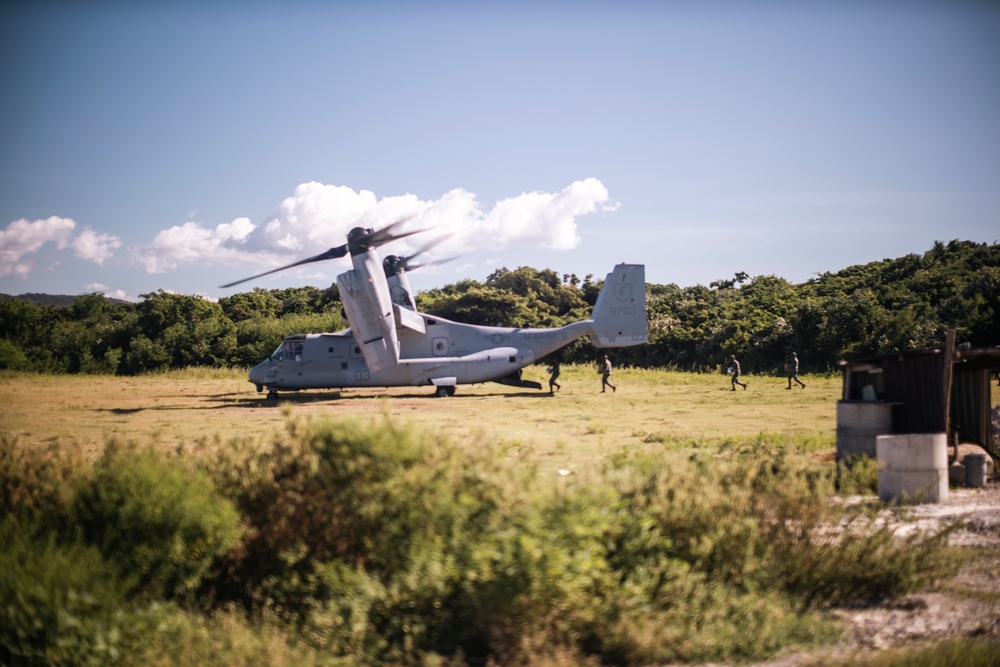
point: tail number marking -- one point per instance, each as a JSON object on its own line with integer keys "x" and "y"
{"x": 627, "y": 310}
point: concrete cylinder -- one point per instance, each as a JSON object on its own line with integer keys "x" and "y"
{"x": 975, "y": 470}
{"x": 913, "y": 467}
{"x": 858, "y": 423}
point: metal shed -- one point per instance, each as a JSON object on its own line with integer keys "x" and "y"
{"x": 941, "y": 390}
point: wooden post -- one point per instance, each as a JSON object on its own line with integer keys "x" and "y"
{"x": 946, "y": 371}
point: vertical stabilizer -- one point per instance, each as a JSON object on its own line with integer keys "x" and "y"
{"x": 620, "y": 312}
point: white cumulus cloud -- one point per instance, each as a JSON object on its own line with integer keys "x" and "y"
{"x": 191, "y": 242}
{"x": 23, "y": 239}
{"x": 94, "y": 246}
{"x": 539, "y": 219}
{"x": 318, "y": 216}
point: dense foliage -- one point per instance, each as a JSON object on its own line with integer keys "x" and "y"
{"x": 894, "y": 304}
{"x": 343, "y": 543}
{"x": 162, "y": 331}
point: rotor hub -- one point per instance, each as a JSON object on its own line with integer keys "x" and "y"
{"x": 393, "y": 264}
{"x": 359, "y": 239}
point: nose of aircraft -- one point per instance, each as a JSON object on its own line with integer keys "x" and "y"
{"x": 257, "y": 374}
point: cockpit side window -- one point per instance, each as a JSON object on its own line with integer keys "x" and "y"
{"x": 293, "y": 350}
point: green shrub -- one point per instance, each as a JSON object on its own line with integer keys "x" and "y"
{"x": 857, "y": 475}
{"x": 162, "y": 525}
{"x": 61, "y": 604}
{"x": 37, "y": 486}
{"x": 365, "y": 537}
{"x": 862, "y": 560}
{"x": 717, "y": 560}
{"x": 223, "y": 639}
{"x": 377, "y": 543}
{"x": 12, "y": 357}
{"x": 58, "y": 604}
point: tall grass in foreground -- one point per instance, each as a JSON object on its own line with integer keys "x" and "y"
{"x": 966, "y": 652}
{"x": 344, "y": 543}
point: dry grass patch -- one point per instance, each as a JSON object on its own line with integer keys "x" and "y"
{"x": 574, "y": 427}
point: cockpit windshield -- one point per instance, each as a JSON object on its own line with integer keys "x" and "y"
{"x": 289, "y": 350}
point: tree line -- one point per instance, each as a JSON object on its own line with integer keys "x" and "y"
{"x": 885, "y": 306}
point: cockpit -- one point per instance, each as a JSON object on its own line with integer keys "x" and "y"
{"x": 289, "y": 350}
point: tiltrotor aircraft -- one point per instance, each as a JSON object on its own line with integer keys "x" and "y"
{"x": 391, "y": 344}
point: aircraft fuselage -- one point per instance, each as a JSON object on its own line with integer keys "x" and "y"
{"x": 449, "y": 353}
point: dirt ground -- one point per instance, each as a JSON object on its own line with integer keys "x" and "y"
{"x": 966, "y": 605}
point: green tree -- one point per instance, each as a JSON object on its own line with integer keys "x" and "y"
{"x": 189, "y": 329}
{"x": 478, "y": 305}
{"x": 250, "y": 305}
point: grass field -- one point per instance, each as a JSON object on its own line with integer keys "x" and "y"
{"x": 651, "y": 409}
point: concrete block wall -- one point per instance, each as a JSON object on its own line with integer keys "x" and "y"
{"x": 858, "y": 423}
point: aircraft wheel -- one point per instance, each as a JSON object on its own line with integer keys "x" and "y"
{"x": 272, "y": 395}
{"x": 443, "y": 391}
{"x": 451, "y": 391}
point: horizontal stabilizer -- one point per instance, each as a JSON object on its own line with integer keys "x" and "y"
{"x": 409, "y": 319}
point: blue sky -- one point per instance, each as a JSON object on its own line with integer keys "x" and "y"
{"x": 180, "y": 146}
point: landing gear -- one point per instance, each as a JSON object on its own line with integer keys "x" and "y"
{"x": 272, "y": 395}
{"x": 443, "y": 391}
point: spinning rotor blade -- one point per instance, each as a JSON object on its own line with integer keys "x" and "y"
{"x": 358, "y": 240}
{"x": 406, "y": 264}
{"x": 420, "y": 251}
{"x": 384, "y": 235}
{"x": 332, "y": 253}
{"x": 436, "y": 262}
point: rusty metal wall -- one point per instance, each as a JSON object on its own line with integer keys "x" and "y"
{"x": 915, "y": 384}
{"x": 970, "y": 406}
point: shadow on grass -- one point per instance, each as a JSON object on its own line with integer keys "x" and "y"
{"x": 314, "y": 397}
{"x": 243, "y": 400}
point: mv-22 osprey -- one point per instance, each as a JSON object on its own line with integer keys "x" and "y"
{"x": 391, "y": 344}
